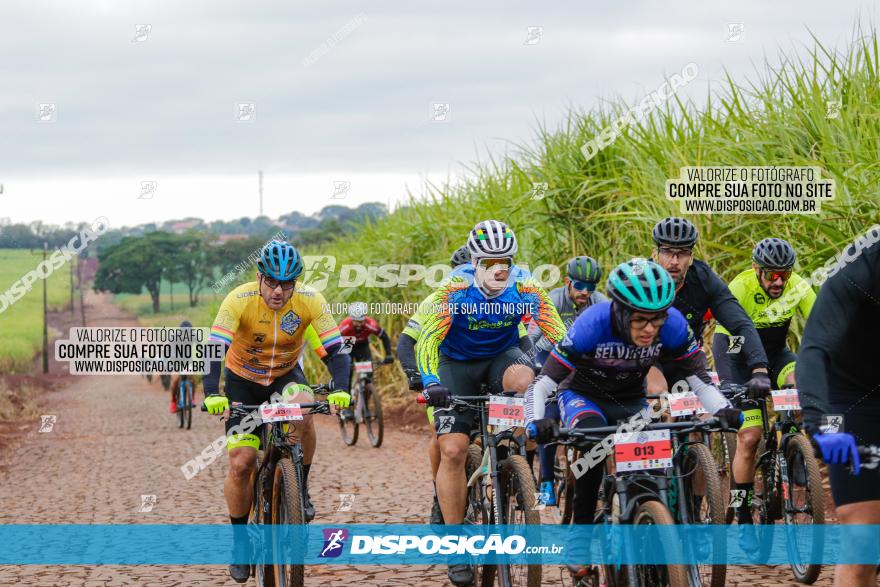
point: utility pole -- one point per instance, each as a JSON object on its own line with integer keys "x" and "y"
{"x": 45, "y": 314}
{"x": 261, "y": 192}
{"x": 82, "y": 300}
{"x": 73, "y": 261}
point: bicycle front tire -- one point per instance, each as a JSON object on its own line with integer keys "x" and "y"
{"x": 287, "y": 508}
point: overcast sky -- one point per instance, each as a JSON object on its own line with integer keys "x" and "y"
{"x": 342, "y": 91}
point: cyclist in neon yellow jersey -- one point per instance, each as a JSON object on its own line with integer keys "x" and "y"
{"x": 770, "y": 293}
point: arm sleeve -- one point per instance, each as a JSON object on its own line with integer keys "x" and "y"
{"x": 331, "y": 340}
{"x": 406, "y": 352}
{"x": 581, "y": 337}
{"x": 222, "y": 330}
{"x": 730, "y": 314}
{"x": 807, "y": 302}
{"x": 720, "y": 344}
{"x": 536, "y": 397}
{"x": 386, "y": 342}
{"x": 543, "y": 311}
{"x": 434, "y": 329}
{"x": 525, "y": 343}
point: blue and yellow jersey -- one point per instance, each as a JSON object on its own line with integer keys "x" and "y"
{"x": 462, "y": 324}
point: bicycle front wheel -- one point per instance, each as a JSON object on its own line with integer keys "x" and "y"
{"x": 477, "y": 513}
{"x": 373, "y": 415}
{"x": 188, "y": 405}
{"x": 287, "y": 508}
{"x": 705, "y": 505}
{"x": 348, "y": 425}
{"x": 807, "y": 505}
{"x": 651, "y": 513}
{"x": 519, "y": 508}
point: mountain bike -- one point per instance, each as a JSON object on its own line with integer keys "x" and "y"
{"x": 500, "y": 485}
{"x": 184, "y": 401}
{"x": 278, "y": 486}
{"x": 367, "y": 408}
{"x": 788, "y": 485}
{"x": 652, "y": 483}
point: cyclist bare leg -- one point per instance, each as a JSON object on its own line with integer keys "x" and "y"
{"x": 864, "y": 512}
{"x": 238, "y": 487}
{"x": 451, "y": 481}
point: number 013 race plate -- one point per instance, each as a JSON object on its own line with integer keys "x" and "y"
{"x": 649, "y": 449}
{"x": 280, "y": 412}
{"x": 507, "y": 411}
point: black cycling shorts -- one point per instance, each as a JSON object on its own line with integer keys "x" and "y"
{"x": 845, "y": 487}
{"x": 779, "y": 365}
{"x": 466, "y": 378}
{"x": 239, "y": 389}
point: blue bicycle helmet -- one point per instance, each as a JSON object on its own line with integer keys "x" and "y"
{"x": 280, "y": 261}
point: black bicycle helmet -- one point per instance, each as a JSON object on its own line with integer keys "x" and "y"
{"x": 774, "y": 253}
{"x": 584, "y": 268}
{"x": 675, "y": 232}
{"x": 461, "y": 256}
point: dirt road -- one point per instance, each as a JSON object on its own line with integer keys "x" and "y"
{"x": 114, "y": 442}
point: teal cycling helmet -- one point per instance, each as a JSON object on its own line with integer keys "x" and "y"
{"x": 584, "y": 268}
{"x": 641, "y": 285}
{"x": 280, "y": 261}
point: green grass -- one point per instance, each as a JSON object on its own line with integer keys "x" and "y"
{"x": 141, "y": 305}
{"x": 21, "y": 324}
{"x": 606, "y": 207}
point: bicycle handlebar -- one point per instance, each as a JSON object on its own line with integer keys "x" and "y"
{"x": 597, "y": 433}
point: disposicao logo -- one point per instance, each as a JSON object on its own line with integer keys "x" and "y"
{"x": 334, "y": 539}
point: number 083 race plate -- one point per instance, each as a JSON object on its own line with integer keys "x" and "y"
{"x": 280, "y": 412}
{"x": 649, "y": 449}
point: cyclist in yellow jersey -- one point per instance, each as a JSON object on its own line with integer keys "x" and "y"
{"x": 770, "y": 293}
{"x": 263, "y": 324}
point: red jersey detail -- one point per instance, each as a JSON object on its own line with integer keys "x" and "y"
{"x": 371, "y": 328}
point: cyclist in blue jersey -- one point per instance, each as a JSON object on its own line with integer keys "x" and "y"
{"x": 474, "y": 338}
{"x": 601, "y": 364}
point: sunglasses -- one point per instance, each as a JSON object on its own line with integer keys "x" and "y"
{"x": 772, "y": 275}
{"x": 583, "y": 285}
{"x": 641, "y": 323}
{"x": 680, "y": 253}
{"x": 272, "y": 283}
{"x": 495, "y": 264}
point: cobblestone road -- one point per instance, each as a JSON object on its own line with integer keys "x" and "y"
{"x": 115, "y": 441}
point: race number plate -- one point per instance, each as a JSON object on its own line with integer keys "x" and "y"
{"x": 716, "y": 381}
{"x": 507, "y": 411}
{"x": 785, "y": 399}
{"x": 280, "y": 412}
{"x": 648, "y": 449}
{"x": 685, "y": 404}
{"x": 363, "y": 366}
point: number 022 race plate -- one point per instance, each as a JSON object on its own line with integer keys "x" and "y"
{"x": 648, "y": 449}
{"x": 507, "y": 412}
{"x": 280, "y": 412}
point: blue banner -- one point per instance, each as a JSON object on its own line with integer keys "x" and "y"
{"x": 398, "y": 544}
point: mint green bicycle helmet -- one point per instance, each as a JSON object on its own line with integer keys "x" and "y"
{"x": 641, "y": 285}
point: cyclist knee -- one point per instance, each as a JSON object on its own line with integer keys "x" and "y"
{"x": 453, "y": 452}
{"x": 518, "y": 378}
{"x": 748, "y": 439}
{"x": 866, "y": 512}
{"x": 242, "y": 462}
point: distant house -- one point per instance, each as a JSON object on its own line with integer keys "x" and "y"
{"x": 183, "y": 226}
{"x": 224, "y": 238}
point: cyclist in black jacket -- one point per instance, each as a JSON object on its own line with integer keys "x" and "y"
{"x": 698, "y": 290}
{"x": 835, "y": 376}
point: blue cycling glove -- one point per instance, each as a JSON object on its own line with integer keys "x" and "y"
{"x": 839, "y": 448}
